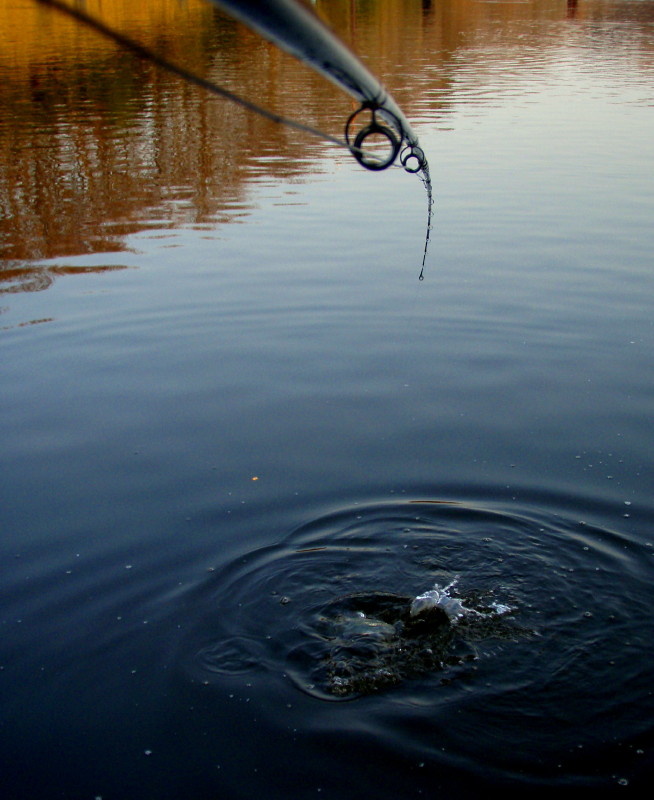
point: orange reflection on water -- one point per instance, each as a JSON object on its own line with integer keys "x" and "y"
{"x": 96, "y": 144}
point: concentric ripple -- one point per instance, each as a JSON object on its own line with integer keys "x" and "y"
{"x": 291, "y": 608}
{"x": 539, "y": 652}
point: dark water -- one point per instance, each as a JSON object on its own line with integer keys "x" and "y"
{"x": 228, "y": 405}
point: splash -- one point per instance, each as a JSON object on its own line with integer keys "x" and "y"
{"x": 453, "y": 606}
{"x": 440, "y": 598}
{"x": 378, "y": 640}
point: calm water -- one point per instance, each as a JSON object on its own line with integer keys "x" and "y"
{"x": 230, "y": 412}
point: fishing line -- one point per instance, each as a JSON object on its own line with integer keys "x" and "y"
{"x": 149, "y": 55}
{"x": 425, "y": 177}
{"x": 412, "y": 157}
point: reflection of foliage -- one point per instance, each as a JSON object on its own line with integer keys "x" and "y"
{"x": 25, "y": 324}
{"x": 100, "y": 144}
{"x": 95, "y": 144}
{"x": 15, "y": 279}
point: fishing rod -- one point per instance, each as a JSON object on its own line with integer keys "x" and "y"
{"x": 294, "y": 26}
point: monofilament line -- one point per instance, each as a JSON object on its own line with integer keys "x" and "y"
{"x": 149, "y": 55}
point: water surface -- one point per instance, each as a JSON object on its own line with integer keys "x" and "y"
{"x": 229, "y": 405}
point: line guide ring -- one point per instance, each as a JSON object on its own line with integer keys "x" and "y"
{"x": 394, "y": 138}
{"x": 413, "y": 153}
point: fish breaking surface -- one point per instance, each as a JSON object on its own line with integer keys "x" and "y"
{"x": 378, "y": 640}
